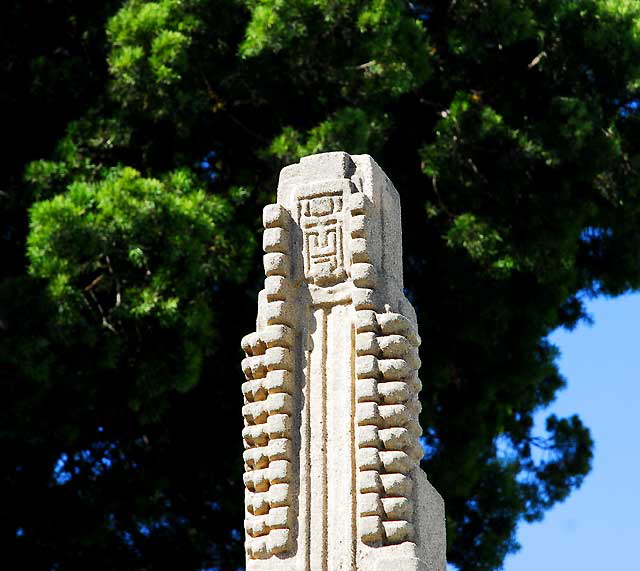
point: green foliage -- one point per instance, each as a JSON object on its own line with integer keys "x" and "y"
{"x": 135, "y": 255}
{"x": 482, "y": 242}
{"x": 349, "y": 127}
{"x": 146, "y": 137}
{"x": 149, "y": 52}
{"x": 394, "y": 44}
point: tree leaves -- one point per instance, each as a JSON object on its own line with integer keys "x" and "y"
{"x": 136, "y": 257}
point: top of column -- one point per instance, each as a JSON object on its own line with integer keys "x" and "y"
{"x": 348, "y": 214}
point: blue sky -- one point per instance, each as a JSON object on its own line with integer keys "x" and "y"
{"x": 597, "y": 528}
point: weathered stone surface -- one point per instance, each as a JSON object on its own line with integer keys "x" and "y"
{"x": 331, "y": 435}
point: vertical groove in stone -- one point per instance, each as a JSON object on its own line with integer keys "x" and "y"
{"x": 354, "y": 467}
{"x": 317, "y": 443}
{"x": 323, "y": 444}
{"x": 307, "y": 433}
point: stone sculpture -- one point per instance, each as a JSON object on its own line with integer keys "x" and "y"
{"x": 331, "y": 434}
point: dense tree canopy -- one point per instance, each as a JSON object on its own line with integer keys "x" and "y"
{"x": 142, "y": 139}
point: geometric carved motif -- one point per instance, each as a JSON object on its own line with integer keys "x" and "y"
{"x": 321, "y": 219}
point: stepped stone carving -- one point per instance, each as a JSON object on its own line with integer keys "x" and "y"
{"x": 331, "y": 434}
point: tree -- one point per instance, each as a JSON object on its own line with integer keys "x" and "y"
{"x": 147, "y": 136}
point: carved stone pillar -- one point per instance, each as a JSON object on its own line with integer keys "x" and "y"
{"x": 331, "y": 435}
